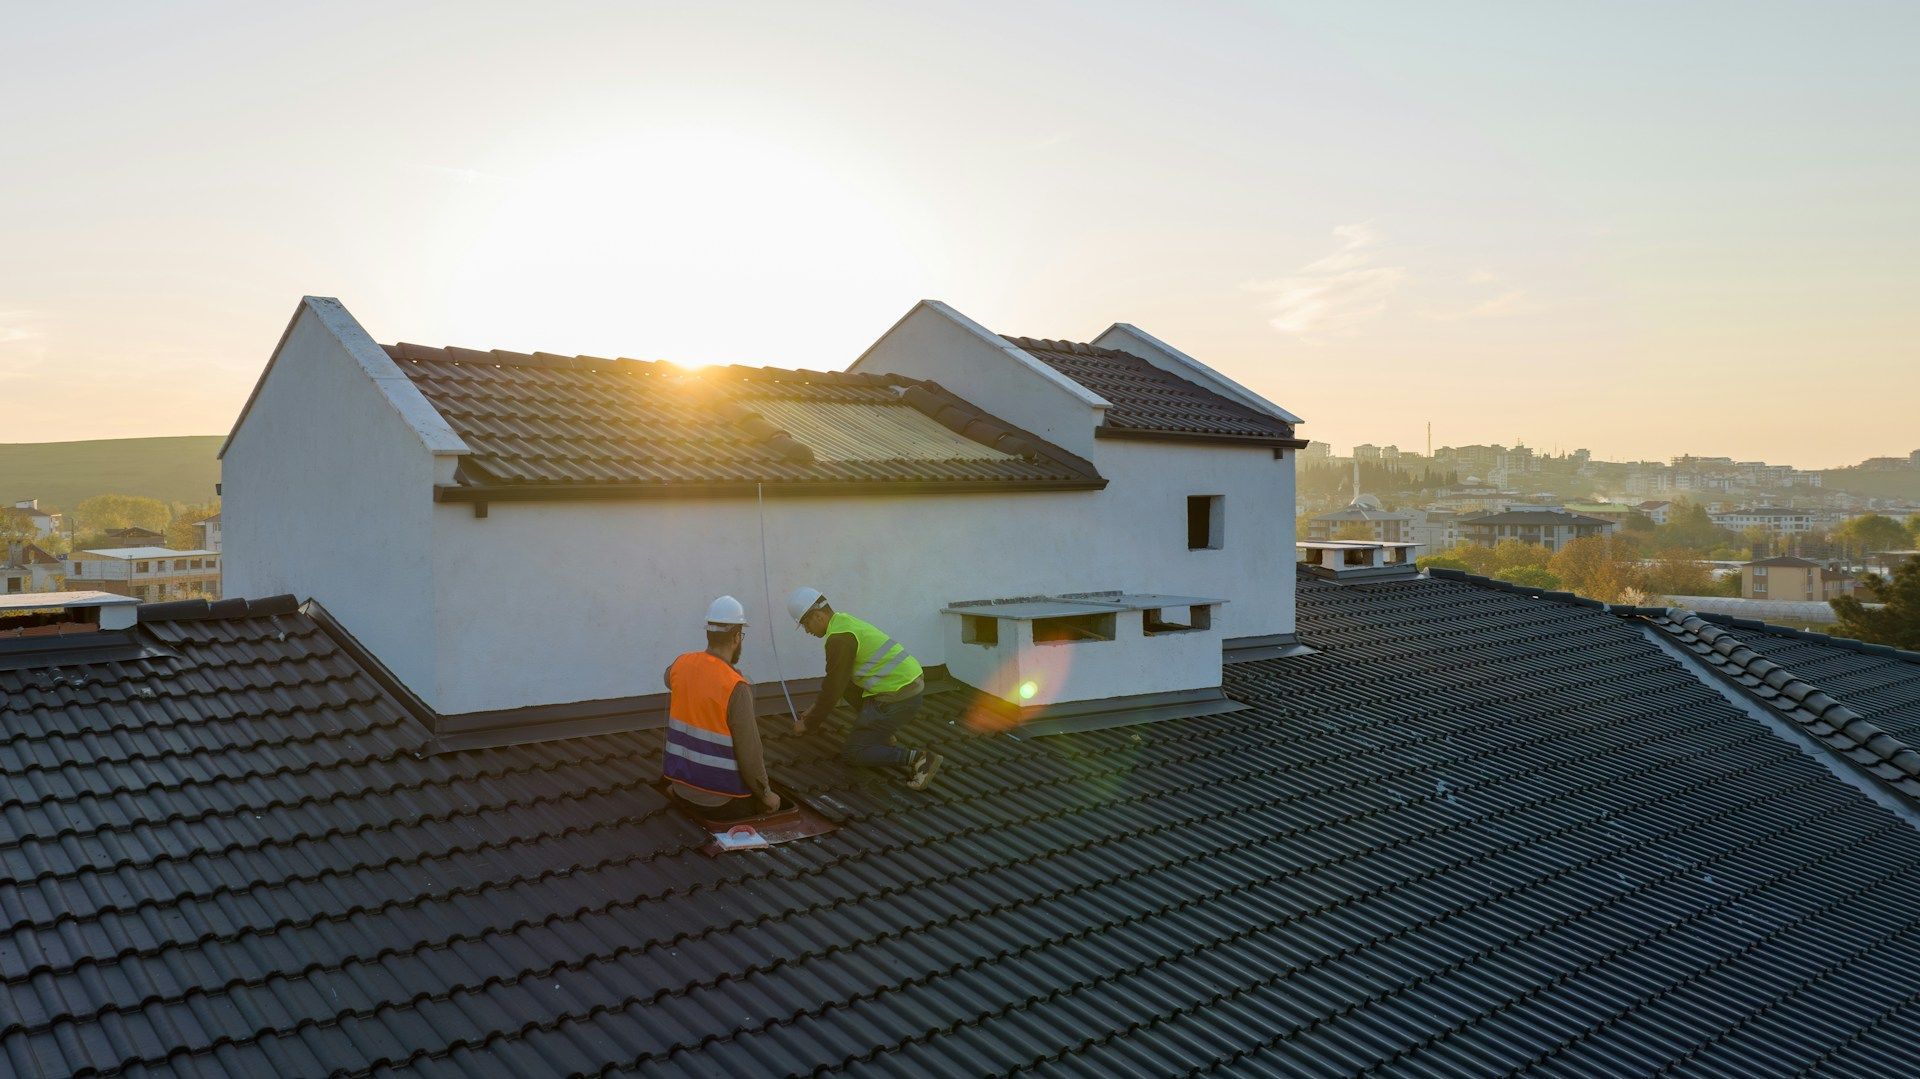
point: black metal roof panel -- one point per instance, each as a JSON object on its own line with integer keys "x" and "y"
{"x": 1476, "y": 832}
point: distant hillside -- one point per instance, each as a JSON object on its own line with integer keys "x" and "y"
{"x": 60, "y": 474}
{"x": 1903, "y": 483}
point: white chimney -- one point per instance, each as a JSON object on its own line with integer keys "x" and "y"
{"x": 1359, "y": 560}
{"x": 1038, "y": 652}
{"x": 58, "y": 613}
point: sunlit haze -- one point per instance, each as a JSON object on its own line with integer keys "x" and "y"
{"x": 1643, "y": 229}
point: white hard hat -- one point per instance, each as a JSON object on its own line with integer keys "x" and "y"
{"x": 725, "y": 611}
{"x": 802, "y": 600}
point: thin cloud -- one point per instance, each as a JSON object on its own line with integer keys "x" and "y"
{"x": 18, "y": 326}
{"x": 461, "y": 176}
{"x": 1334, "y": 296}
{"x": 1475, "y": 303}
{"x": 1509, "y": 302}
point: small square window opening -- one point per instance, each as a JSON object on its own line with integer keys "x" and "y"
{"x": 1206, "y": 522}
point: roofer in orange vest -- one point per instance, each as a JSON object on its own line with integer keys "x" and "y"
{"x": 713, "y": 761}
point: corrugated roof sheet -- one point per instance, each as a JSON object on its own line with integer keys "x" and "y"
{"x": 1477, "y": 833}
{"x": 857, "y": 431}
{"x": 554, "y": 422}
{"x": 1147, "y": 400}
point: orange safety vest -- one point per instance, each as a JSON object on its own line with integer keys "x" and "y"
{"x": 699, "y": 742}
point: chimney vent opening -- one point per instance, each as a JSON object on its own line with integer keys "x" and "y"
{"x": 1074, "y": 628}
{"x": 979, "y": 629}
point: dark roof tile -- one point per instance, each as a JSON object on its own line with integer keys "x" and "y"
{"x": 1148, "y": 401}
{"x": 1476, "y": 831}
{"x": 561, "y": 425}
{"x": 1880, "y": 683}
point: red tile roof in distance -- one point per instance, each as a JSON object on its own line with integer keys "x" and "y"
{"x": 551, "y": 426}
{"x": 1149, "y": 402}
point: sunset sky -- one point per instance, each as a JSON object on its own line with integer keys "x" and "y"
{"x": 1645, "y": 229}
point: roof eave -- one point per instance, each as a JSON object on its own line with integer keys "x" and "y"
{"x": 1249, "y": 441}
{"x": 624, "y": 492}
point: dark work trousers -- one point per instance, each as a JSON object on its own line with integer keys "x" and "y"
{"x": 870, "y": 739}
{"x": 734, "y": 809}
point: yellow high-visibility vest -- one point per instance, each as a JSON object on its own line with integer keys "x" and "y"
{"x": 880, "y": 663}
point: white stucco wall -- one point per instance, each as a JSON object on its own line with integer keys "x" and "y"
{"x": 328, "y": 488}
{"x": 936, "y": 343}
{"x": 540, "y": 603}
{"x": 327, "y": 493}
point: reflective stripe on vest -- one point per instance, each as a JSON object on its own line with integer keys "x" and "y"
{"x": 699, "y": 749}
{"x": 880, "y": 663}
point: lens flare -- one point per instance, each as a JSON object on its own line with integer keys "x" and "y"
{"x": 1028, "y": 689}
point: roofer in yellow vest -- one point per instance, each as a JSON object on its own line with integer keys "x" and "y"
{"x": 875, "y": 675}
{"x": 712, "y": 760}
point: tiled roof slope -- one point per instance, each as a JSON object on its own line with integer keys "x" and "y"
{"x": 1475, "y": 833}
{"x": 1879, "y": 682}
{"x": 1536, "y": 517}
{"x": 557, "y": 423}
{"x": 1148, "y": 401}
{"x": 1855, "y": 738}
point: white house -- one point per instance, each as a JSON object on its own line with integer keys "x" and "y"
{"x": 552, "y": 528}
{"x": 43, "y": 522}
{"x": 208, "y": 531}
{"x": 1785, "y": 521}
{"x": 146, "y": 573}
{"x": 24, "y": 567}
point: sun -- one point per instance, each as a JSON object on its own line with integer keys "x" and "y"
{"x": 676, "y": 241}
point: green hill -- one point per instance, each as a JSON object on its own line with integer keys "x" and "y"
{"x": 1903, "y": 483}
{"x": 60, "y": 474}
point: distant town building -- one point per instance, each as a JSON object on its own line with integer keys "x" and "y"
{"x": 207, "y": 533}
{"x": 1605, "y": 511}
{"x": 1782, "y": 521}
{"x": 135, "y": 536}
{"x": 1787, "y": 577}
{"x": 1658, "y": 510}
{"x": 44, "y": 522}
{"x": 1382, "y": 525}
{"x": 1885, "y": 562}
{"x": 1317, "y": 451}
{"x": 146, "y": 573}
{"x": 1886, "y": 464}
{"x": 1437, "y": 529}
{"x": 1550, "y": 528}
{"x": 24, "y": 567}
{"x": 1366, "y": 451}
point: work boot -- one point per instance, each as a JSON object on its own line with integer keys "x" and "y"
{"x": 924, "y": 764}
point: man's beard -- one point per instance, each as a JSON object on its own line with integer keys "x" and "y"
{"x": 738, "y": 646}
